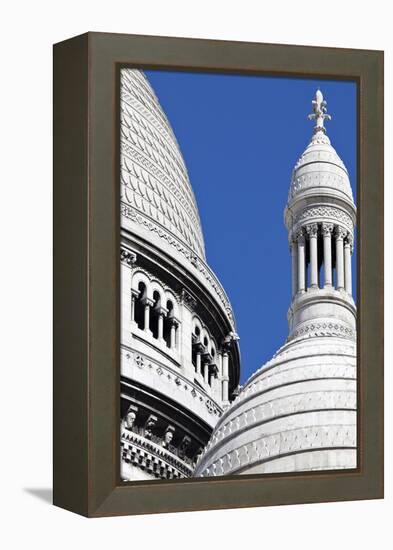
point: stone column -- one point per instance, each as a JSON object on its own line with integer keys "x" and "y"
{"x": 225, "y": 377}
{"x": 301, "y": 264}
{"x": 206, "y": 373}
{"x": 340, "y": 234}
{"x": 347, "y": 263}
{"x": 148, "y": 304}
{"x": 294, "y": 267}
{"x": 327, "y": 229}
{"x": 312, "y": 231}
{"x": 134, "y": 296}
{"x": 198, "y": 362}
{"x": 172, "y": 336}
{"x": 160, "y": 324}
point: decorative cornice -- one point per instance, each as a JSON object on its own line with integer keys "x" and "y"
{"x": 198, "y": 263}
{"x": 324, "y": 328}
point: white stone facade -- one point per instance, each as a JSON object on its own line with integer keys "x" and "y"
{"x": 179, "y": 350}
{"x": 298, "y": 412}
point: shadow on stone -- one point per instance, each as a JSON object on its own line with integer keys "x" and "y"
{"x": 43, "y": 494}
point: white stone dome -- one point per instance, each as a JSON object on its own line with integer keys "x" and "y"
{"x": 320, "y": 171}
{"x": 156, "y": 194}
{"x": 298, "y": 412}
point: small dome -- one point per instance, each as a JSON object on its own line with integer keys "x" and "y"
{"x": 296, "y": 413}
{"x": 156, "y": 194}
{"x": 320, "y": 170}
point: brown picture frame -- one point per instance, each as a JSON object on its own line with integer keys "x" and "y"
{"x": 86, "y": 275}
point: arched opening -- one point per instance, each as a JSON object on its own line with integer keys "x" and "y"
{"x": 139, "y": 315}
{"x": 195, "y": 340}
{"x": 154, "y": 314}
{"x": 168, "y": 322}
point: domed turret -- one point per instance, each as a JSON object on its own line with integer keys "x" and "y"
{"x": 298, "y": 412}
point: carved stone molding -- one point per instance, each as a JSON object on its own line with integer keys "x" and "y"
{"x": 188, "y": 300}
{"x": 340, "y": 232}
{"x": 181, "y": 383}
{"x": 327, "y": 229}
{"x": 327, "y": 212}
{"x": 128, "y": 257}
{"x": 325, "y": 328}
{"x": 272, "y": 446}
{"x": 312, "y": 229}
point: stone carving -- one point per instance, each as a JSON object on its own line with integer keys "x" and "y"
{"x": 340, "y": 232}
{"x": 168, "y": 437}
{"x": 150, "y": 425}
{"x": 312, "y": 229}
{"x": 188, "y": 300}
{"x": 153, "y": 458}
{"x": 327, "y": 212}
{"x": 184, "y": 445}
{"x": 326, "y": 328}
{"x": 327, "y": 229}
{"x": 139, "y": 361}
{"x": 181, "y": 383}
{"x": 130, "y": 417}
{"x": 127, "y": 257}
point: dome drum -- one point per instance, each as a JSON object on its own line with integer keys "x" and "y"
{"x": 322, "y": 310}
{"x": 174, "y": 386}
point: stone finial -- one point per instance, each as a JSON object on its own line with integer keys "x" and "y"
{"x": 319, "y": 114}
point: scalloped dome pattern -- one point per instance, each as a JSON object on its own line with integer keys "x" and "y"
{"x": 297, "y": 412}
{"x": 155, "y": 189}
{"x": 320, "y": 168}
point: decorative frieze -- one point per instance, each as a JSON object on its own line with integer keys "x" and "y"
{"x": 176, "y": 378}
{"x": 329, "y": 212}
{"x": 325, "y": 328}
{"x": 269, "y": 447}
{"x": 198, "y": 263}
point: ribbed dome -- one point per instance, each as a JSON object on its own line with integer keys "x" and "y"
{"x": 156, "y": 194}
{"x": 298, "y": 412}
{"x": 320, "y": 171}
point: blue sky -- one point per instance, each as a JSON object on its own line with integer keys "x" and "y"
{"x": 240, "y": 137}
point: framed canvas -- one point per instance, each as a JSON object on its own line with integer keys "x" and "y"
{"x": 174, "y": 161}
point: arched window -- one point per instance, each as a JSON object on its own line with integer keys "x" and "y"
{"x": 168, "y": 321}
{"x": 139, "y": 314}
{"x": 154, "y": 314}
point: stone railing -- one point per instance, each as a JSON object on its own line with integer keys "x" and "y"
{"x": 152, "y": 457}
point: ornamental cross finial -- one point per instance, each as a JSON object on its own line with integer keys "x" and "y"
{"x": 319, "y": 107}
